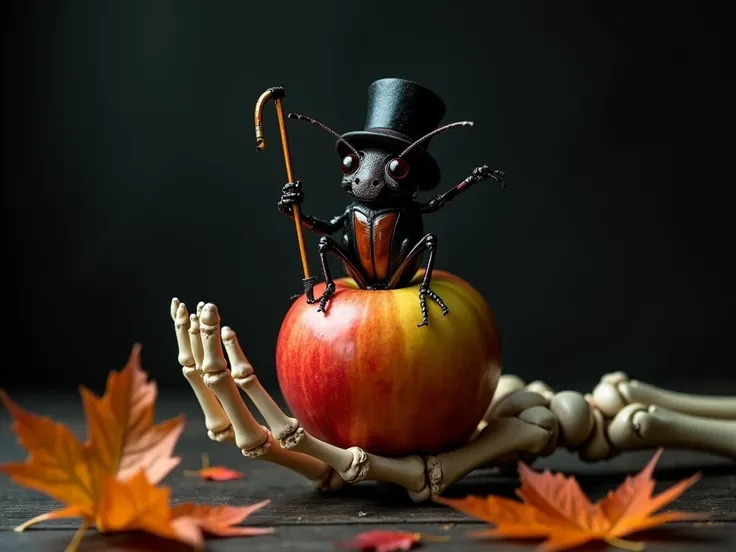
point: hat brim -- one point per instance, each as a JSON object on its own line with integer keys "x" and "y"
{"x": 418, "y": 157}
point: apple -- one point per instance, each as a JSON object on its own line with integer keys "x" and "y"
{"x": 363, "y": 374}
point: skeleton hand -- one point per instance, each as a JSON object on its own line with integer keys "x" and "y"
{"x": 292, "y": 194}
{"x": 227, "y": 418}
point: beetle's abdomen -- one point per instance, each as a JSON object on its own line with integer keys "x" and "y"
{"x": 373, "y": 240}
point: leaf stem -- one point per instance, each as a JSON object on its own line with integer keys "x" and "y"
{"x": 625, "y": 544}
{"x": 205, "y": 464}
{"x": 74, "y": 544}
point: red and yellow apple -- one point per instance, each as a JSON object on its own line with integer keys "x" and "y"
{"x": 363, "y": 374}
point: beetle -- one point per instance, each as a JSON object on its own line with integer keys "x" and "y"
{"x": 383, "y": 239}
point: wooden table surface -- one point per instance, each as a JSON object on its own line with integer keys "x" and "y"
{"x": 306, "y": 520}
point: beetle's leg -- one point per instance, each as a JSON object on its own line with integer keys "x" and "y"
{"x": 328, "y": 244}
{"x": 427, "y": 243}
{"x": 292, "y": 195}
{"x": 478, "y": 174}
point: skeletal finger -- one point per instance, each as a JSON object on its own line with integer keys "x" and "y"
{"x": 216, "y": 421}
{"x": 280, "y": 424}
{"x": 250, "y": 436}
{"x": 174, "y": 307}
{"x": 195, "y": 341}
{"x": 239, "y": 364}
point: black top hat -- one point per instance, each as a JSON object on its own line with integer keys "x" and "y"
{"x": 399, "y": 113}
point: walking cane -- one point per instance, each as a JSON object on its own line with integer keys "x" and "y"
{"x": 276, "y": 94}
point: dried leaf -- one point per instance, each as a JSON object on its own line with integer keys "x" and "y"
{"x": 58, "y": 464}
{"x": 110, "y": 480}
{"x": 120, "y": 425}
{"x": 555, "y": 508}
{"x": 382, "y": 541}
{"x": 220, "y": 473}
{"x": 138, "y": 505}
{"x": 122, "y": 439}
{"x": 135, "y": 505}
{"x": 219, "y": 520}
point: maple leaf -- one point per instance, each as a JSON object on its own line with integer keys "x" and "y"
{"x": 57, "y": 465}
{"x": 138, "y": 505}
{"x": 214, "y": 473}
{"x": 110, "y": 480}
{"x": 220, "y": 520}
{"x": 388, "y": 541}
{"x": 555, "y": 508}
{"x": 121, "y": 440}
{"x": 120, "y": 425}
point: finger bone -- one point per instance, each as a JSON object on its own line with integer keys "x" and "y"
{"x": 195, "y": 340}
{"x": 239, "y": 365}
{"x": 181, "y": 324}
{"x": 174, "y": 307}
{"x": 214, "y": 358}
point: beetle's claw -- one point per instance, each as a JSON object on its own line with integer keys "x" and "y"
{"x": 425, "y": 292}
{"x": 326, "y": 296}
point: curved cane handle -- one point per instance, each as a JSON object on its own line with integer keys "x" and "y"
{"x": 276, "y": 93}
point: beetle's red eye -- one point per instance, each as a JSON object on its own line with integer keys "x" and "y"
{"x": 397, "y": 168}
{"x": 349, "y": 164}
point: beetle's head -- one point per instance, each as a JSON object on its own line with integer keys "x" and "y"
{"x": 378, "y": 172}
{"x": 375, "y": 174}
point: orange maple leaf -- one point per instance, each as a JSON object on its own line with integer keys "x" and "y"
{"x": 555, "y": 508}
{"x": 120, "y": 425}
{"x": 138, "y": 505}
{"x": 122, "y": 440}
{"x": 110, "y": 480}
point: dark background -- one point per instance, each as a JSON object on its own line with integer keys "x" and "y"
{"x": 130, "y": 175}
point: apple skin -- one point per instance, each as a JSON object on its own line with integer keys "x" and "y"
{"x": 363, "y": 374}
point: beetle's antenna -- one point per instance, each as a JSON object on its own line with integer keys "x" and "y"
{"x": 323, "y": 127}
{"x": 436, "y": 131}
